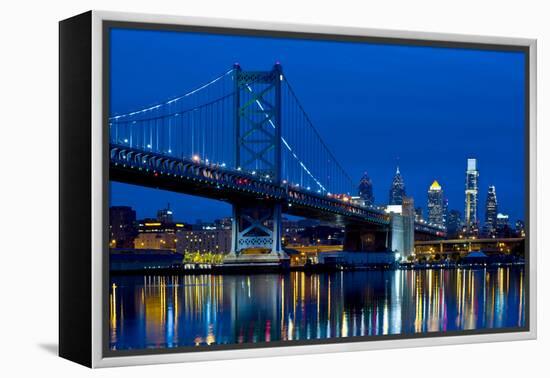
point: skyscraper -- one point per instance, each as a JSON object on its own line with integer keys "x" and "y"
{"x": 165, "y": 215}
{"x": 436, "y": 204}
{"x": 408, "y": 215}
{"x": 503, "y": 226}
{"x": 470, "y": 210}
{"x": 397, "y": 190}
{"x": 491, "y": 210}
{"x": 365, "y": 190}
{"x": 454, "y": 224}
{"x": 418, "y": 214}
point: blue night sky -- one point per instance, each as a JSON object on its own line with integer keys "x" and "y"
{"x": 427, "y": 109}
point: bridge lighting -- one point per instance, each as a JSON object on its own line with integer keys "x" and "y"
{"x": 196, "y": 158}
{"x": 281, "y": 77}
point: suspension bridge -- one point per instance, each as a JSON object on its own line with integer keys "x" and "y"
{"x": 245, "y": 138}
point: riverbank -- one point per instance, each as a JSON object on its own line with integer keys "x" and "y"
{"x": 191, "y": 269}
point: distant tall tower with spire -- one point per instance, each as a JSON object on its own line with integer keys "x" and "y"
{"x": 365, "y": 190}
{"x": 470, "y": 211}
{"x": 397, "y": 190}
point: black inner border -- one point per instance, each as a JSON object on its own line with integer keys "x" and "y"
{"x": 107, "y": 25}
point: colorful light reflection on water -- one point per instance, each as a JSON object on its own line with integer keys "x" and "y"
{"x": 171, "y": 311}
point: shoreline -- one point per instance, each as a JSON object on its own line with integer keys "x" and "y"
{"x": 232, "y": 270}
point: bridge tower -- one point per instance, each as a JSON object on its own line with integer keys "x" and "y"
{"x": 257, "y": 125}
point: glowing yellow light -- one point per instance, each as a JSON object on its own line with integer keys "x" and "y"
{"x": 153, "y": 224}
{"x": 435, "y": 186}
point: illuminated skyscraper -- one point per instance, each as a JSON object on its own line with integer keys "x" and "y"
{"x": 365, "y": 190}
{"x": 491, "y": 210}
{"x": 397, "y": 190}
{"x": 436, "y": 205}
{"x": 470, "y": 210}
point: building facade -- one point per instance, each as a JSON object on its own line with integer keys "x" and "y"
{"x": 217, "y": 241}
{"x": 436, "y": 205}
{"x": 397, "y": 190}
{"x": 365, "y": 190}
{"x": 419, "y": 214}
{"x": 165, "y": 215}
{"x": 160, "y": 233}
{"x": 454, "y": 224}
{"x": 408, "y": 218}
{"x": 471, "y": 193}
{"x": 156, "y": 240}
{"x": 122, "y": 227}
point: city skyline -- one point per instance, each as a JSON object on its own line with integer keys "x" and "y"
{"x": 450, "y": 102}
{"x": 224, "y": 209}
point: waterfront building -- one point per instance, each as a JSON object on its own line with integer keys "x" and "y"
{"x": 471, "y": 193}
{"x": 436, "y": 205}
{"x": 491, "y": 211}
{"x": 216, "y": 241}
{"x": 156, "y": 241}
{"x": 365, "y": 190}
{"x": 152, "y": 225}
{"x": 454, "y": 224}
{"x": 160, "y": 233}
{"x": 122, "y": 227}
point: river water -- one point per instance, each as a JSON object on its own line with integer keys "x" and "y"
{"x": 151, "y": 311}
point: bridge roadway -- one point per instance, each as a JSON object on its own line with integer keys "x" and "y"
{"x": 144, "y": 168}
{"x": 135, "y": 166}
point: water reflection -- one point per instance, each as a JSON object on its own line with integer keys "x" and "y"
{"x": 170, "y": 311}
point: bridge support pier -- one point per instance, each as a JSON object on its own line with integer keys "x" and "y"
{"x": 256, "y": 236}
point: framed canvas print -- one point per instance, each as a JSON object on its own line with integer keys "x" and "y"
{"x": 232, "y": 189}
